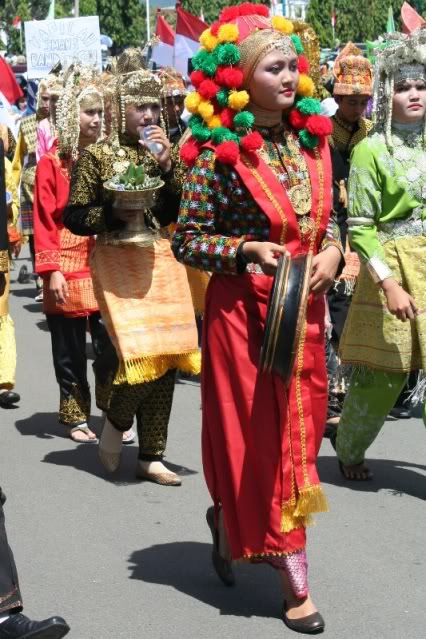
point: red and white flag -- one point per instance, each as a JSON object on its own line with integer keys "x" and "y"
{"x": 188, "y": 31}
{"x": 16, "y": 22}
{"x": 163, "y": 52}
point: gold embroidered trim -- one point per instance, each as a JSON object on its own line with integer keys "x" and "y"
{"x": 263, "y": 555}
{"x": 4, "y": 261}
{"x": 48, "y": 257}
{"x": 271, "y": 197}
{"x": 74, "y": 409}
{"x": 8, "y": 595}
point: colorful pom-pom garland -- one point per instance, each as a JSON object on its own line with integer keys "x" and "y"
{"x": 218, "y": 104}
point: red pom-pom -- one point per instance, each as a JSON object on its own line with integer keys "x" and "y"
{"x": 229, "y": 77}
{"x": 227, "y": 117}
{"x": 245, "y": 9}
{"x": 228, "y": 14}
{"x": 319, "y": 125}
{"x": 303, "y": 64}
{"x": 208, "y": 89}
{"x": 252, "y": 141}
{"x": 214, "y": 29}
{"x": 297, "y": 119}
{"x": 249, "y": 8}
{"x": 228, "y": 152}
{"x": 197, "y": 77}
{"x": 189, "y": 152}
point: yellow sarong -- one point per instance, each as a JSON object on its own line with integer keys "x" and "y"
{"x": 372, "y": 336}
{"x": 145, "y": 302}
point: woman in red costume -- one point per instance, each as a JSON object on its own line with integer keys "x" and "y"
{"x": 260, "y": 186}
{"x": 62, "y": 259}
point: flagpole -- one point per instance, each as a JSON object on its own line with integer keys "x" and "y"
{"x": 148, "y": 26}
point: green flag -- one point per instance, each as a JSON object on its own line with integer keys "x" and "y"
{"x": 390, "y": 24}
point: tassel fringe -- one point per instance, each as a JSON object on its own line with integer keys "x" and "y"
{"x": 150, "y": 368}
{"x": 298, "y": 514}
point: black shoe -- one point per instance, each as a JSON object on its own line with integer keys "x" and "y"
{"x": 24, "y": 277}
{"x": 20, "y": 627}
{"x": 222, "y": 566}
{"x": 8, "y": 398}
{"x": 399, "y": 413}
{"x": 310, "y": 625}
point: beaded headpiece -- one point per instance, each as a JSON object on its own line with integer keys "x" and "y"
{"x": 230, "y": 51}
{"x": 172, "y": 83}
{"x": 135, "y": 85}
{"x": 353, "y": 73}
{"x": 82, "y": 91}
{"x": 403, "y": 59}
{"x": 52, "y": 84}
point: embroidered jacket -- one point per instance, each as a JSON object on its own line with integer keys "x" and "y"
{"x": 218, "y": 212}
{"x": 56, "y": 248}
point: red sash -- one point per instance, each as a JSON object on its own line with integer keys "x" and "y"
{"x": 272, "y": 197}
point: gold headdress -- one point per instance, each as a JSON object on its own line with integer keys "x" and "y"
{"x": 82, "y": 91}
{"x": 353, "y": 73}
{"x": 135, "y": 84}
{"x": 172, "y": 83}
{"x": 52, "y": 84}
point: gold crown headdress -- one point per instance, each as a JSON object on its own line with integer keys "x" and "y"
{"x": 82, "y": 91}
{"x": 135, "y": 84}
{"x": 353, "y": 72}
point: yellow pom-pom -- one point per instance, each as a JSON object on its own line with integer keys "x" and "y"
{"x": 306, "y": 86}
{"x": 214, "y": 122}
{"x": 283, "y": 25}
{"x": 192, "y": 102}
{"x": 228, "y": 33}
{"x": 206, "y": 110}
{"x": 238, "y": 100}
{"x": 208, "y": 40}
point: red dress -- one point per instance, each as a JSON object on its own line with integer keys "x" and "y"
{"x": 56, "y": 248}
{"x": 260, "y": 440}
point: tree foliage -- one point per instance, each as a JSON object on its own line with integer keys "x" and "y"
{"x": 356, "y": 21}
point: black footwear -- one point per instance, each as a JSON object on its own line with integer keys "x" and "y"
{"x": 8, "y": 398}
{"x": 20, "y": 627}
{"x": 310, "y": 625}
{"x": 398, "y": 412}
{"x": 24, "y": 277}
{"x": 222, "y": 566}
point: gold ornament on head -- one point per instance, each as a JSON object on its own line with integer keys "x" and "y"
{"x": 82, "y": 92}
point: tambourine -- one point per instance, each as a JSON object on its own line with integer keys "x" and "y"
{"x": 286, "y": 315}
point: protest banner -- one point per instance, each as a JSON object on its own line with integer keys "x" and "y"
{"x": 64, "y": 40}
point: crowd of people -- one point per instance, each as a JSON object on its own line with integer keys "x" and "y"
{"x": 159, "y": 217}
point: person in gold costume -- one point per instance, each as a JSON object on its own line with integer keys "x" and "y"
{"x": 143, "y": 293}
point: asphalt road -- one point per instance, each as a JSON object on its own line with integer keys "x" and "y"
{"x": 120, "y": 558}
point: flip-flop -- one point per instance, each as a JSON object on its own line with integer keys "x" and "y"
{"x": 86, "y": 431}
{"x": 131, "y": 438}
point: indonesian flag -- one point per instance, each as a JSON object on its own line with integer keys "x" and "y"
{"x": 188, "y": 31}
{"x": 8, "y": 84}
{"x": 163, "y": 52}
{"x": 16, "y": 22}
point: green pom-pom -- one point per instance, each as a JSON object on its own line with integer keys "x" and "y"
{"x": 309, "y": 106}
{"x": 244, "y": 120}
{"x": 220, "y": 134}
{"x": 205, "y": 61}
{"x": 222, "y": 97}
{"x": 199, "y": 59}
{"x": 227, "y": 54}
{"x": 297, "y": 44}
{"x": 201, "y": 133}
{"x": 210, "y": 67}
{"x": 308, "y": 140}
{"x": 195, "y": 120}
